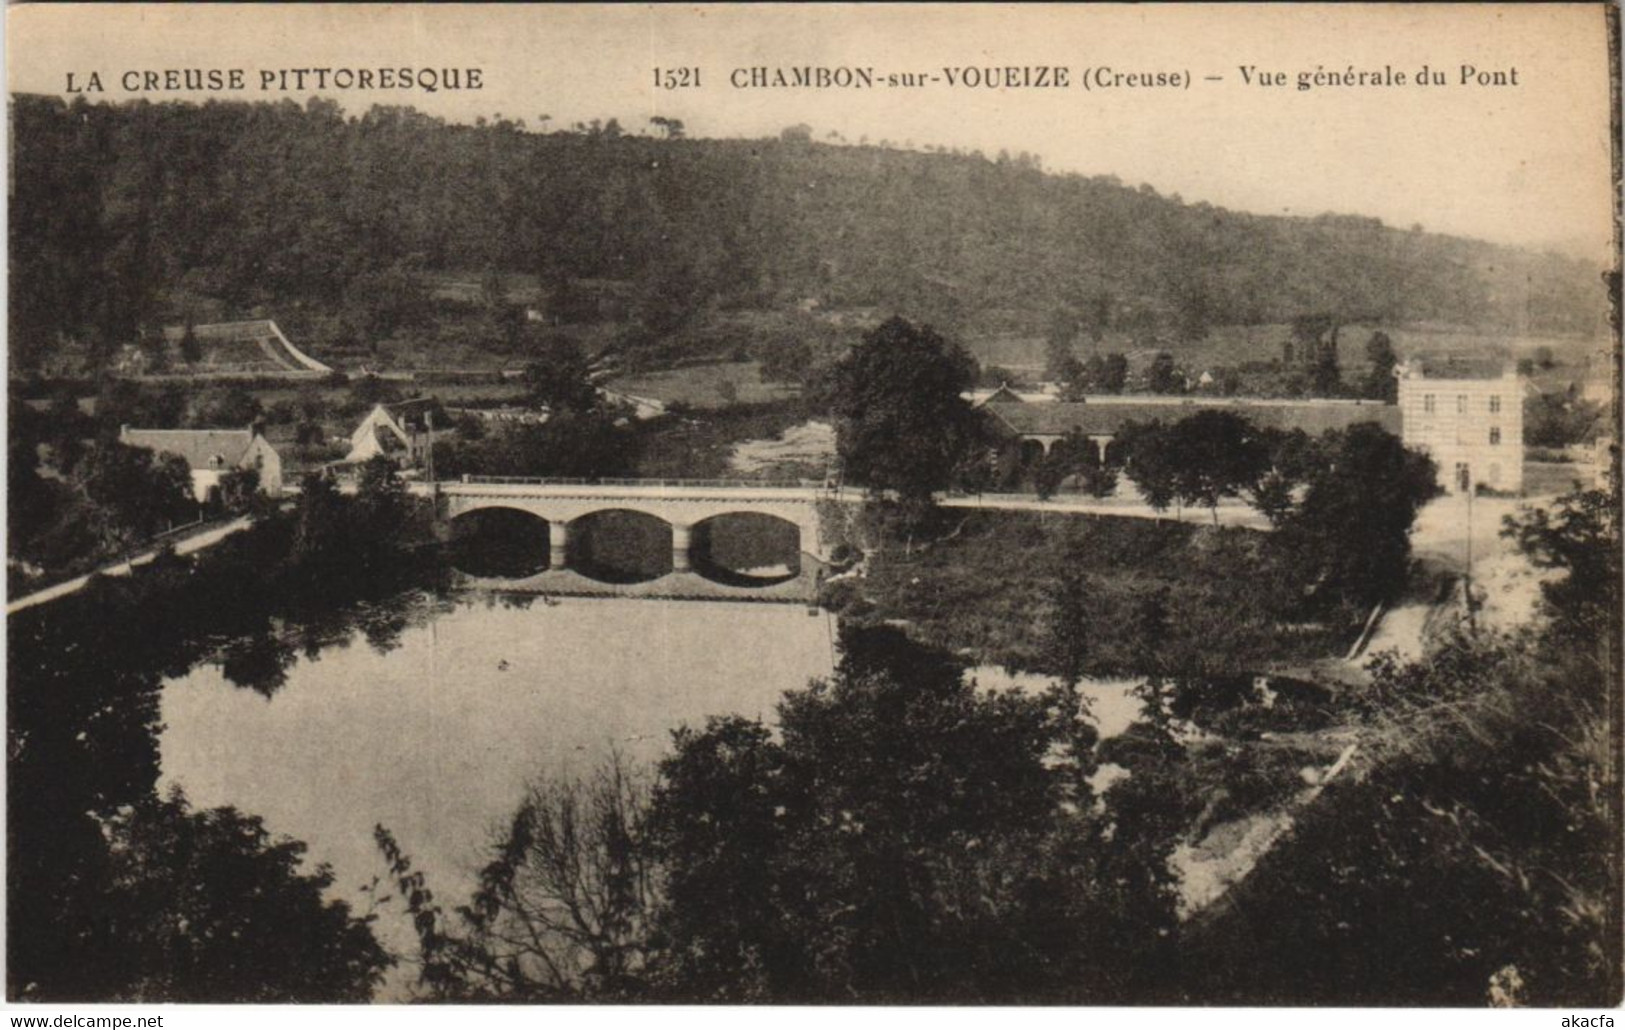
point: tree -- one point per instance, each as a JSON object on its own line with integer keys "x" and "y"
{"x": 154, "y": 352}
{"x": 1578, "y": 536}
{"x": 1351, "y": 534}
{"x": 559, "y": 378}
{"x": 1074, "y": 455}
{"x": 1380, "y": 384}
{"x": 191, "y": 349}
{"x": 1113, "y": 373}
{"x": 1473, "y": 856}
{"x": 320, "y": 533}
{"x": 1163, "y": 377}
{"x": 586, "y": 444}
{"x": 239, "y": 489}
{"x": 1215, "y": 454}
{"x": 1150, "y": 462}
{"x": 1326, "y": 375}
{"x": 381, "y": 505}
{"x": 890, "y": 845}
{"x": 563, "y": 908}
{"x": 900, "y": 421}
{"x": 381, "y": 301}
{"x": 1060, "y": 364}
{"x": 1068, "y": 649}
{"x": 180, "y": 882}
{"x": 671, "y": 127}
{"x": 1556, "y": 420}
{"x": 133, "y": 493}
{"x": 231, "y": 406}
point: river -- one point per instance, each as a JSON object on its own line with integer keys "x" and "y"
{"x": 435, "y": 731}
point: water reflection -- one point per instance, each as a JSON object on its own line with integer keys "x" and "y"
{"x": 436, "y": 726}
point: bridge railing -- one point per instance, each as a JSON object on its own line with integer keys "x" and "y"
{"x": 733, "y": 484}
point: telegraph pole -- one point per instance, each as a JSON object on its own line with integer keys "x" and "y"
{"x": 428, "y": 424}
{"x": 1468, "y": 587}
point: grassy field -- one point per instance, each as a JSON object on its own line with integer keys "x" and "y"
{"x": 1550, "y": 478}
{"x": 983, "y": 588}
{"x": 706, "y": 386}
{"x": 699, "y": 446}
{"x": 1237, "y": 344}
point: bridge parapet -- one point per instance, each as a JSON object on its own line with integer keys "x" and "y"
{"x": 681, "y": 503}
{"x": 726, "y": 484}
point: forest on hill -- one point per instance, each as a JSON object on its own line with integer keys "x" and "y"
{"x": 127, "y": 218}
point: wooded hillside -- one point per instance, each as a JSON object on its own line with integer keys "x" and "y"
{"x": 127, "y": 218}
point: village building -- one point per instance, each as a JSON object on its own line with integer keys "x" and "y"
{"x": 212, "y": 453}
{"x": 1037, "y": 427}
{"x": 1006, "y": 394}
{"x": 1469, "y": 420}
{"x": 402, "y": 431}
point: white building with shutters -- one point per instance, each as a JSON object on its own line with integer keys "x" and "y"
{"x": 1470, "y": 423}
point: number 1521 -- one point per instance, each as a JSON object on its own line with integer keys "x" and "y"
{"x": 677, "y": 78}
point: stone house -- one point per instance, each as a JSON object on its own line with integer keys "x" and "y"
{"x": 211, "y": 453}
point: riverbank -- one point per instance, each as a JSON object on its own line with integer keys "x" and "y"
{"x": 984, "y": 584}
{"x": 186, "y": 541}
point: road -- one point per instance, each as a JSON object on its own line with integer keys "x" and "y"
{"x": 1506, "y": 588}
{"x": 196, "y": 542}
{"x": 1232, "y": 513}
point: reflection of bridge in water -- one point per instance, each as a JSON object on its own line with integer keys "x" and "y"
{"x": 682, "y": 505}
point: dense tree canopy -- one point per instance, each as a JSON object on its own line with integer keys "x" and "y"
{"x": 900, "y": 420}
{"x": 140, "y": 215}
{"x": 1353, "y": 525}
{"x": 891, "y": 843}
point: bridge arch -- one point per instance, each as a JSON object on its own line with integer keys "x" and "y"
{"x": 617, "y": 544}
{"x": 500, "y": 542}
{"x": 746, "y": 548}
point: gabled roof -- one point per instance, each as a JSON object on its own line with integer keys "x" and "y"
{"x": 1003, "y": 395}
{"x": 412, "y": 415}
{"x": 202, "y": 448}
{"x": 1312, "y": 417}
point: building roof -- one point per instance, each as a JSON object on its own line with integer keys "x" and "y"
{"x": 202, "y": 448}
{"x": 1003, "y": 395}
{"x": 413, "y": 415}
{"x": 1313, "y": 417}
{"x": 1456, "y": 367}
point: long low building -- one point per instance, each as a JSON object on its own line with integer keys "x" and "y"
{"x": 1039, "y": 426}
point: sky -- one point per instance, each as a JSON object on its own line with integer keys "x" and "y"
{"x": 1526, "y": 164}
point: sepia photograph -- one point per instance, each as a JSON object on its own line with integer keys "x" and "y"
{"x": 1090, "y": 505}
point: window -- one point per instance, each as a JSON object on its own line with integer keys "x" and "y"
{"x": 1427, "y": 403}
{"x": 1495, "y": 436}
{"x": 1461, "y": 404}
{"x": 1495, "y": 404}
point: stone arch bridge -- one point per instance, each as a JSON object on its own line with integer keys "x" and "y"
{"x": 681, "y": 504}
